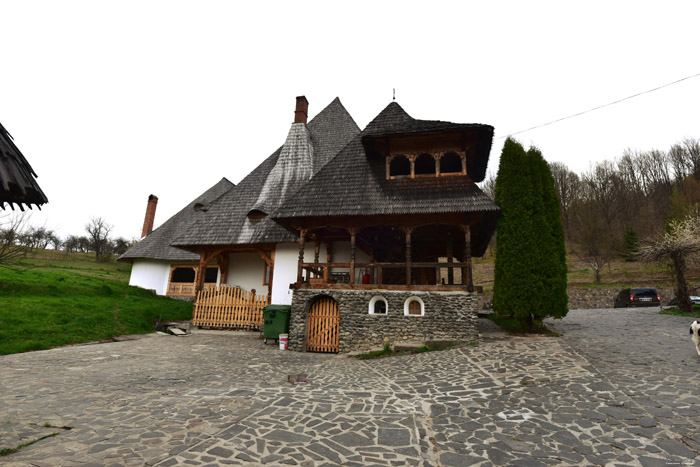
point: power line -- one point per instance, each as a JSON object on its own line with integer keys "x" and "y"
{"x": 601, "y": 106}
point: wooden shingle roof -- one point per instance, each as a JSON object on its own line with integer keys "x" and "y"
{"x": 226, "y": 222}
{"x": 17, "y": 178}
{"x": 156, "y": 245}
{"x": 353, "y": 184}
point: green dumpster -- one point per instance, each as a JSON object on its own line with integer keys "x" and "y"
{"x": 276, "y": 319}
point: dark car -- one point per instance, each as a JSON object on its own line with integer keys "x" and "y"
{"x": 643, "y": 296}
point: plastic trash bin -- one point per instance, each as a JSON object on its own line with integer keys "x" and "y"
{"x": 276, "y": 321}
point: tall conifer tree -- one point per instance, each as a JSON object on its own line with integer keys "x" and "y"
{"x": 530, "y": 269}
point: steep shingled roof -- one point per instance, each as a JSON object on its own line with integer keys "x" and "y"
{"x": 156, "y": 245}
{"x": 17, "y": 178}
{"x": 353, "y": 184}
{"x": 226, "y": 222}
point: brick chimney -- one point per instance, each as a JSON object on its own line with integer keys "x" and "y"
{"x": 150, "y": 215}
{"x": 302, "y": 110}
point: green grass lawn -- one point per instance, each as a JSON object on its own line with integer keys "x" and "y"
{"x": 57, "y": 302}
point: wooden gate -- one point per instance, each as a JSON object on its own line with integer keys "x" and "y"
{"x": 323, "y": 328}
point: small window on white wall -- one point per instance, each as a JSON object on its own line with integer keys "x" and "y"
{"x": 413, "y": 306}
{"x": 378, "y": 305}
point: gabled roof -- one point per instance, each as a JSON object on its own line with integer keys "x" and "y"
{"x": 156, "y": 245}
{"x": 17, "y": 178}
{"x": 226, "y": 222}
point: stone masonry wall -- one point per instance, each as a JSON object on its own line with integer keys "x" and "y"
{"x": 448, "y": 316}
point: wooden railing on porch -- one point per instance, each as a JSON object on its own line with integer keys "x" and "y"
{"x": 229, "y": 307}
{"x": 185, "y": 289}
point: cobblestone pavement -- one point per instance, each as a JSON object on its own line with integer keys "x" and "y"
{"x": 621, "y": 387}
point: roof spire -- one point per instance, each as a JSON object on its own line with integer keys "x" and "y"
{"x": 394, "y": 98}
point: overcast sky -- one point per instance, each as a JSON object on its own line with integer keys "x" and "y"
{"x": 113, "y": 101}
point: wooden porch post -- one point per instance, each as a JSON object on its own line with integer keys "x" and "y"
{"x": 317, "y": 250}
{"x": 329, "y": 258}
{"x": 450, "y": 269}
{"x": 201, "y": 272}
{"x": 467, "y": 271}
{"x": 302, "y": 240}
{"x": 271, "y": 269}
{"x": 408, "y": 231}
{"x": 223, "y": 262}
{"x": 353, "y": 231}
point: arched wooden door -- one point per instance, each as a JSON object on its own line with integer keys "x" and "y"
{"x": 322, "y": 330}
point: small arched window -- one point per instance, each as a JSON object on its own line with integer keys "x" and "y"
{"x": 425, "y": 165}
{"x": 378, "y": 306}
{"x": 414, "y": 306}
{"x": 399, "y": 166}
{"x": 450, "y": 163}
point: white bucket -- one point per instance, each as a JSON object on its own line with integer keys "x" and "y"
{"x": 284, "y": 340}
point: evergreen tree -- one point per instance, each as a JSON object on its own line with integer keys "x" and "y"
{"x": 514, "y": 193}
{"x": 552, "y": 249}
{"x": 630, "y": 245}
{"x": 530, "y": 269}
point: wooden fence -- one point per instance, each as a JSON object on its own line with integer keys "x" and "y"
{"x": 229, "y": 307}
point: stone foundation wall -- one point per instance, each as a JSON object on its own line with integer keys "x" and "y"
{"x": 448, "y": 316}
{"x": 605, "y": 297}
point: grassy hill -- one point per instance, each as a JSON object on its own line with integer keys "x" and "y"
{"x": 57, "y": 299}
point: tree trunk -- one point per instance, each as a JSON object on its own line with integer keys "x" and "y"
{"x": 681, "y": 285}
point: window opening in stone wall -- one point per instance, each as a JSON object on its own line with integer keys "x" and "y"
{"x": 399, "y": 166}
{"x": 378, "y": 305}
{"x": 425, "y": 165}
{"x": 414, "y": 306}
{"x": 183, "y": 275}
{"x": 450, "y": 163}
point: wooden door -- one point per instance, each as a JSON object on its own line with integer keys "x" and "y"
{"x": 323, "y": 328}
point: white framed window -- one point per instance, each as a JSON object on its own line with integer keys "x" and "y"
{"x": 378, "y": 305}
{"x": 414, "y": 306}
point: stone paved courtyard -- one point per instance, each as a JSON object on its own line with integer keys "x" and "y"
{"x": 621, "y": 387}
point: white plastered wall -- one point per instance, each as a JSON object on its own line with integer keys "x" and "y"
{"x": 286, "y": 262}
{"x": 150, "y": 274}
{"x": 246, "y": 270}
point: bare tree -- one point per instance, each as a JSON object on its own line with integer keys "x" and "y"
{"x": 12, "y": 228}
{"x": 680, "y": 244}
{"x": 98, "y": 232}
{"x": 568, "y": 186}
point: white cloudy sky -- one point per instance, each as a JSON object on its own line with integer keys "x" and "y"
{"x": 113, "y": 101}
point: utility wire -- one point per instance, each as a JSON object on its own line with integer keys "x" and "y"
{"x": 601, "y": 106}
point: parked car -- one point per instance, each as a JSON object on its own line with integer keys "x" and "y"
{"x": 643, "y": 296}
{"x": 694, "y": 299}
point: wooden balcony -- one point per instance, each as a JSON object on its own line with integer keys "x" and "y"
{"x": 437, "y": 276}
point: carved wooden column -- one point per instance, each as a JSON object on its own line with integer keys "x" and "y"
{"x": 317, "y": 250}
{"x": 352, "y": 231}
{"x": 329, "y": 258}
{"x": 464, "y": 163}
{"x": 437, "y": 158}
{"x": 412, "y": 161}
{"x": 302, "y": 240}
{"x": 467, "y": 271}
{"x": 408, "y": 231}
{"x": 450, "y": 269}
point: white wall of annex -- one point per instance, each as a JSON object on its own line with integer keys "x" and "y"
{"x": 245, "y": 270}
{"x": 150, "y": 274}
{"x": 286, "y": 261}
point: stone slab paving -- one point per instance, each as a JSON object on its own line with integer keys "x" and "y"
{"x": 621, "y": 387}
